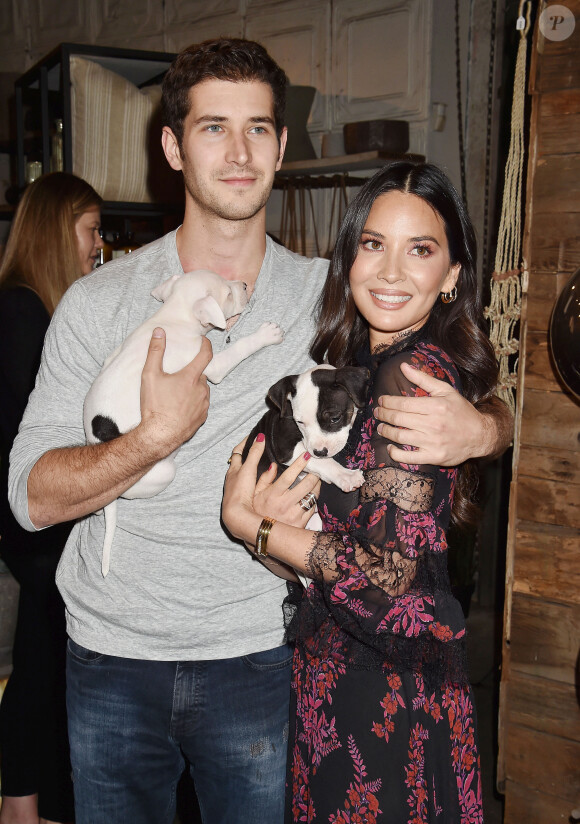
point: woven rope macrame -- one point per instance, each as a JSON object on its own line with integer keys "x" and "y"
{"x": 505, "y": 305}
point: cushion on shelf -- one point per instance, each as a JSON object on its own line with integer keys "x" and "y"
{"x": 111, "y": 131}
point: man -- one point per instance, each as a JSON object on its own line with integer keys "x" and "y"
{"x": 179, "y": 651}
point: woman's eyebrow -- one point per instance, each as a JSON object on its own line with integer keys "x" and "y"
{"x": 418, "y": 239}
{"x": 373, "y": 233}
{"x": 423, "y": 238}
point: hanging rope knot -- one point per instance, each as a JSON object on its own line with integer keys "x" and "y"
{"x": 505, "y": 302}
{"x": 500, "y": 277}
{"x": 508, "y": 382}
{"x": 508, "y": 348}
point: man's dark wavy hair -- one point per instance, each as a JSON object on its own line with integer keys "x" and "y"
{"x": 457, "y": 327}
{"x": 226, "y": 58}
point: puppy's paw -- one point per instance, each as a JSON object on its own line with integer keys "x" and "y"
{"x": 271, "y": 333}
{"x": 349, "y": 479}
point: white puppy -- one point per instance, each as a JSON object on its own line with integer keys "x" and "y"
{"x": 192, "y": 304}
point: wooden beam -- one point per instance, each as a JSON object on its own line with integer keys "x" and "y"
{"x": 550, "y": 419}
{"x": 542, "y": 293}
{"x": 550, "y": 464}
{"x": 544, "y": 639}
{"x": 540, "y": 373}
{"x": 545, "y": 706}
{"x": 556, "y": 64}
{"x": 526, "y": 804}
{"x": 548, "y": 502}
{"x": 552, "y": 139}
{"x": 543, "y": 763}
{"x": 554, "y": 244}
{"x": 546, "y": 564}
{"x": 557, "y": 184}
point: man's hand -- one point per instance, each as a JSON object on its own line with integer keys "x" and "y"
{"x": 173, "y": 406}
{"x": 444, "y": 427}
{"x": 69, "y": 483}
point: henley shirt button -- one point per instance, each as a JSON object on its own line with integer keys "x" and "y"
{"x": 228, "y": 339}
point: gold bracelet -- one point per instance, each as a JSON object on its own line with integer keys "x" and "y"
{"x": 262, "y": 537}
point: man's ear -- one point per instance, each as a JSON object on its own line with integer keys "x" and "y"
{"x": 283, "y": 139}
{"x": 171, "y": 149}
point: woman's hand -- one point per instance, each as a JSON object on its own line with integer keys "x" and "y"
{"x": 278, "y": 499}
{"x": 245, "y": 497}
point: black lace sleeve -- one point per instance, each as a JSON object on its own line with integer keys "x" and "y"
{"x": 383, "y": 562}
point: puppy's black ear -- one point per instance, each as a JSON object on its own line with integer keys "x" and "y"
{"x": 355, "y": 380}
{"x": 278, "y": 394}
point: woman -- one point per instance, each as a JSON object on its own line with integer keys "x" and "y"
{"x": 54, "y": 239}
{"x": 384, "y": 726}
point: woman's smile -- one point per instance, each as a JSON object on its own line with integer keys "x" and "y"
{"x": 390, "y": 299}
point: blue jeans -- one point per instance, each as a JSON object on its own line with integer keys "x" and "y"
{"x": 131, "y": 723}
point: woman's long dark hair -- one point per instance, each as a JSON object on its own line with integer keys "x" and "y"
{"x": 456, "y": 327}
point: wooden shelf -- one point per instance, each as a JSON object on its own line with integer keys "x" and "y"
{"x": 344, "y": 163}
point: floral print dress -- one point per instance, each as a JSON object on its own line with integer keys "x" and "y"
{"x": 383, "y": 725}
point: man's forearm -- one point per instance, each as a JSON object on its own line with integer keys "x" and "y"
{"x": 499, "y": 427}
{"x": 72, "y": 482}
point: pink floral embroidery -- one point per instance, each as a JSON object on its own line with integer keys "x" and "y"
{"x": 415, "y": 777}
{"x": 408, "y": 615}
{"x": 457, "y": 702}
{"x": 390, "y": 704}
{"x": 361, "y": 805}
{"x": 358, "y": 608}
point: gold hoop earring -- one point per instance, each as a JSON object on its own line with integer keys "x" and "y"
{"x": 449, "y": 297}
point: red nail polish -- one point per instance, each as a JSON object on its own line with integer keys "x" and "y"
{"x": 307, "y": 456}
{"x": 261, "y": 437}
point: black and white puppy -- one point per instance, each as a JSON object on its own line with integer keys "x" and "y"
{"x": 313, "y": 412}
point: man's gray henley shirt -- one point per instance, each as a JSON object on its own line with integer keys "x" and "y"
{"x": 179, "y": 588}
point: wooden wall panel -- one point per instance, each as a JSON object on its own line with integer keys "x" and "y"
{"x": 551, "y": 138}
{"x": 546, "y": 706}
{"x": 544, "y": 639}
{"x": 550, "y": 419}
{"x": 559, "y": 104}
{"x": 539, "y": 371}
{"x": 539, "y": 732}
{"x": 544, "y": 762}
{"x": 557, "y": 185}
{"x": 555, "y": 247}
{"x": 550, "y": 463}
{"x": 526, "y": 804}
{"x": 544, "y": 291}
{"x": 556, "y": 65}
{"x": 546, "y": 565}
{"x": 548, "y": 502}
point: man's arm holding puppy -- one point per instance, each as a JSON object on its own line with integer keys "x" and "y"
{"x": 444, "y": 427}
{"x": 72, "y": 482}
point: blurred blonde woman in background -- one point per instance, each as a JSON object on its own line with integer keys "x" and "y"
{"x": 54, "y": 239}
